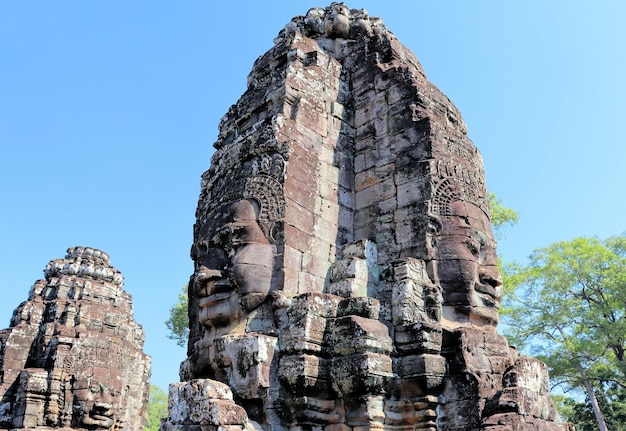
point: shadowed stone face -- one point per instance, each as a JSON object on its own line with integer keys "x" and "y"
{"x": 234, "y": 266}
{"x": 466, "y": 267}
{"x": 338, "y": 21}
{"x": 95, "y": 403}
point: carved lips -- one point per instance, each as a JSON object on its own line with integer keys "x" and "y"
{"x": 212, "y": 287}
{"x": 101, "y": 414}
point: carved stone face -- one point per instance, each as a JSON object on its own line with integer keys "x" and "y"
{"x": 95, "y": 403}
{"x": 233, "y": 266}
{"x": 466, "y": 267}
{"x": 315, "y": 20}
{"x": 338, "y": 21}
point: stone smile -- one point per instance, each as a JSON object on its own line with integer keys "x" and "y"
{"x": 484, "y": 297}
{"x": 486, "y": 290}
{"x": 213, "y": 291}
{"x": 102, "y": 411}
{"x": 206, "y": 275}
{"x": 207, "y": 301}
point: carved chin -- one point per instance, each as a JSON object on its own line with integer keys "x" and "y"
{"x": 485, "y": 316}
{"x": 97, "y": 421}
{"x": 469, "y": 316}
{"x": 222, "y": 311}
{"x": 229, "y": 309}
{"x": 252, "y": 301}
{"x": 485, "y": 309}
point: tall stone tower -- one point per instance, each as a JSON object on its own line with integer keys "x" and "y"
{"x": 72, "y": 356}
{"x": 345, "y": 268}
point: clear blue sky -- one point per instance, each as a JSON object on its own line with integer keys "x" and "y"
{"x": 108, "y": 112}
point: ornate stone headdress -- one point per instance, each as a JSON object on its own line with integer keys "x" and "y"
{"x": 455, "y": 182}
{"x": 257, "y": 174}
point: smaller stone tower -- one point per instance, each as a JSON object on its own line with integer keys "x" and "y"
{"x": 73, "y": 354}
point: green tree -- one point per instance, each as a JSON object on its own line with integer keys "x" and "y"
{"x": 568, "y": 310}
{"x": 501, "y": 216}
{"x": 178, "y": 322}
{"x": 612, "y": 403}
{"x": 157, "y": 408}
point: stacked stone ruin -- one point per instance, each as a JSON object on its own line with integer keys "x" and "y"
{"x": 72, "y": 356}
{"x": 345, "y": 269}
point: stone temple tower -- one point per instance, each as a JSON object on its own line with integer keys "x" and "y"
{"x": 72, "y": 357}
{"x": 345, "y": 270}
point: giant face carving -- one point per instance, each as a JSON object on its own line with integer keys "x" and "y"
{"x": 95, "y": 403}
{"x": 466, "y": 267}
{"x": 234, "y": 265}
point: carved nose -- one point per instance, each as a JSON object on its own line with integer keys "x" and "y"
{"x": 491, "y": 277}
{"x": 205, "y": 274}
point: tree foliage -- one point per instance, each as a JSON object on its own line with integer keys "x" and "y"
{"x": 612, "y": 404}
{"x": 178, "y": 322}
{"x": 157, "y": 408}
{"x": 568, "y": 310}
{"x": 501, "y": 216}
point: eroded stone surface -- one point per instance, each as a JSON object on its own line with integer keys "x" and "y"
{"x": 72, "y": 356}
{"x": 345, "y": 267}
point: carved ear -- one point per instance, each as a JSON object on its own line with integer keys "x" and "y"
{"x": 265, "y": 225}
{"x": 433, "y": 229}
{"x": 434, "y": 226}
{"x": 255, "y": 204}
{"x": 276, "y": 232}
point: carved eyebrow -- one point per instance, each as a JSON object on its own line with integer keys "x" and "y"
{"x": 226, "y": 230}
{"x": 484, "y": 240}
{"x": 473, "y": 245}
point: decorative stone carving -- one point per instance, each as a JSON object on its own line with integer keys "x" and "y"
{"x": 345, "y": 268}
{"x": 72, "y": 356}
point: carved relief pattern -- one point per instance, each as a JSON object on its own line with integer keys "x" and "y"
{"x": 455, "y": 181}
